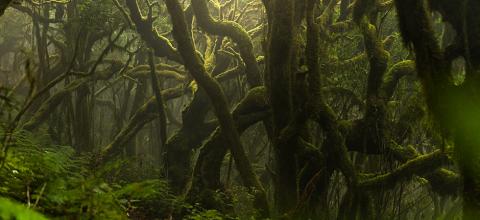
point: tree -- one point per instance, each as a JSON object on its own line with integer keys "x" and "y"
{"x": 282, "y": 109}
{"x": 454, "y": 106}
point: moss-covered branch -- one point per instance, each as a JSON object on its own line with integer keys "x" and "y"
{"x": 49, "y": 105}
{"x": 417, "y": 30}
{"x": 214, "y": 91}
{"x": 455, "y": 108}
{"x": 234, "y": 31}
{"x": 371, "y": 131}
{"x": 441, "y": 180}
{"x": 148, "y": 113}
{"x": 190, "y": 136}
{"x": 160, "y": 44}
{"x": 145, "y": 114}
{"x": 162, "y": 70}
{"x": 418, "y": 166}
{"x": 206, "y": 175}
{"x": 320, "y": 111}
{"x": 394, "y": 74}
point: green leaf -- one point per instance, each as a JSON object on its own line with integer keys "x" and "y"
{"x": 13, "y": 210}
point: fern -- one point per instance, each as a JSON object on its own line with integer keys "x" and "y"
{"x": 63, "y": 184}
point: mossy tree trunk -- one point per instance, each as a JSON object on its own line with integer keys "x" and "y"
{"x": 218, "y": 101}
{"x": 455, "y": 108}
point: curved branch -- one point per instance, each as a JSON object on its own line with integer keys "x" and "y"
{"x": 234, "y": 31}
{"x": 218, "y": 100}
{"x": 160, "y": 44}
{"x": 393, "y": 76}
{"x": 418, "y": 166}
{"x": 160, "y": 73}
{"x": 321, "y": 112}
{"x": 147, "y": 113}
{"x": 206, "y": 175}
{"x": 51, "y": 103}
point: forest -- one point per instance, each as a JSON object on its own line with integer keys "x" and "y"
{"x": 240, "y": 109}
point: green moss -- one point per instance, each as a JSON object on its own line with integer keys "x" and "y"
{"x": 417, "y": 166}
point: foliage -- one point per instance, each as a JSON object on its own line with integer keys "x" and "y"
{"x": 13, "y": 210}
{"x": 196, "y": 212}
{"x": 59, "y": 183}
{"x": 206, "y": 214}
{"x": 243, "y": 203}
{"x": 343, "y": 107}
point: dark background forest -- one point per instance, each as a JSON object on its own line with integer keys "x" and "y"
{"x": 239, "y": 109}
